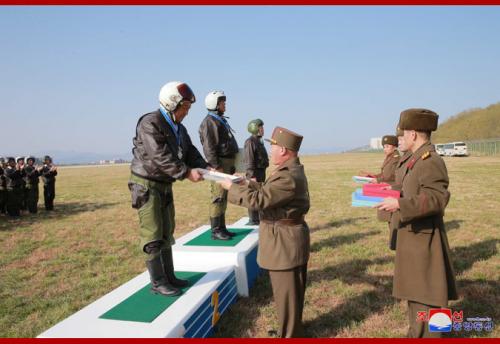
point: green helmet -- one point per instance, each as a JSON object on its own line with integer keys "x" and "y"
{"x": 253, "y": 126}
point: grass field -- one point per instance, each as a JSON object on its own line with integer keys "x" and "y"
{"x": 53, "y": 264}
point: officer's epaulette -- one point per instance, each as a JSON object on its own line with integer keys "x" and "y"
{"x": 426, "y": 155}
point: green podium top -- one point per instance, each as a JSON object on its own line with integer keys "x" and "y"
{"x": 145, "y": 306}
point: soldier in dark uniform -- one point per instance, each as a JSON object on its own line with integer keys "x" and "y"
{"x": 13, "y": 181}
{"x": 20, "y": 163}
{"x": 220, "y": 148}
{"x": 256, "y": 160}
{"x": 284, "y": 243}
{"x": 3, "y": 187}
{"x": 49, "y": 173}
{"x": 31, "y": 178}
{"x": 423, "y": 270}
{"x": 163, "y": 153}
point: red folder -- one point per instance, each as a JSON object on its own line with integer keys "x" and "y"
{"x": 377, "y": 190}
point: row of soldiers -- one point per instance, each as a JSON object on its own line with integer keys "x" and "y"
{"x": 19, "y": 182}
{"x": 423, "y": 272}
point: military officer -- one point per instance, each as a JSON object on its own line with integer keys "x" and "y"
{"x": 49, "y": 173}
{"x": 423, "y": 273}
{"x": 256, "y": 160}
{"x": 283, "y": 201}
{"x": 163, "y": 153}
{"x": 388, "y": 169}
{"x": 13, "y": 181}
{"x": 386, "y": 216}
{"x": 220, "y": 148}
{"x": 32, "y": 179}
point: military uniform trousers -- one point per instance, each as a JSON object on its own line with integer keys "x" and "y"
{"x": 3, "y": 200}
{"x": 154, "y": 202}
{"x": 289, "y": 288}
{"x": 31, "y": 192}
{"x": 260, "y": 177}
{"x": 14, "y": 200}
{"x": 49, "y": 194}
{"x": 22, "y": 196}
{"x": 218, "y": 204}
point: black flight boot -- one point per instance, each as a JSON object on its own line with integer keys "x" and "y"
{"x": 223, "y": 226}
{"x": 159, "y": 283}
{"x": 217, "y": 232}
{"x": 168, "y": 260}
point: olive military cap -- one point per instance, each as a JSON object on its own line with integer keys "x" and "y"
{"x": 390, "y": 140}
{"x": 286, "y": 138}
{"x": 418, "y": 119}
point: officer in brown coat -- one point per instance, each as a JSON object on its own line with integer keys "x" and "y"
{"x": 423, "y": 269}
{"x": 388, "y": 169}
{"x": 282, "y": 201}
{"x": 386, "y": 216}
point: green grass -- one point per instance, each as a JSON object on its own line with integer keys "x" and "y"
{"x": 53, "y": 264}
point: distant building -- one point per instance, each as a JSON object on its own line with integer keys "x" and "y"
{"x": 376, "y": 143}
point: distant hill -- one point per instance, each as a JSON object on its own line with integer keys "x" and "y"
{"x": 474, "y": 124}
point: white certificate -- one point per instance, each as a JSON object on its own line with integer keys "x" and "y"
{"x": 359, "y": 179}
{"x": 218, "y": 176}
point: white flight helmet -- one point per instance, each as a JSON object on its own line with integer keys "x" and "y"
{"x": 172, "y": 93}
{"x": 213, "y": 98}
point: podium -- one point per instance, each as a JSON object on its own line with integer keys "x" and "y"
{"x": 133, "y": 311}
{"x": 196, "y": 250}
{"x": 218, "y": 272}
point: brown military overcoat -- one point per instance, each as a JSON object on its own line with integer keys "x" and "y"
{"x": 284, "y": 195}
{"x": 423, "y": 267}
{"x": 388, "y": 169}
{"x": 388, "y": 175}
{"x": 393, "y": 218}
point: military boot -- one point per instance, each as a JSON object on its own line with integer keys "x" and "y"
{"x": 223, "y": 226}
{"x": 159, "y": 283}
{"x": 217, "y": 232}
{"x": 166, "y": 254}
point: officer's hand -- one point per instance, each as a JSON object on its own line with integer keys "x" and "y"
{"x": 388, "y": 204}
{"x": 194, "y": 176}
{"x": 253, "y": 179}
{"x": 226, "y": 183}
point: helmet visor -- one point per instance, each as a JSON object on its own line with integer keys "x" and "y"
{"x": 186, "y": 93}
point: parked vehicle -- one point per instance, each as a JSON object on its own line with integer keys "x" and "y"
{"x": 452, "y": 149}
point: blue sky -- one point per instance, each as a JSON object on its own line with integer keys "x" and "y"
{"x": 78, "y": 78}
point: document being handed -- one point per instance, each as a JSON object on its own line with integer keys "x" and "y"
{"x": 219, "y": 176}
